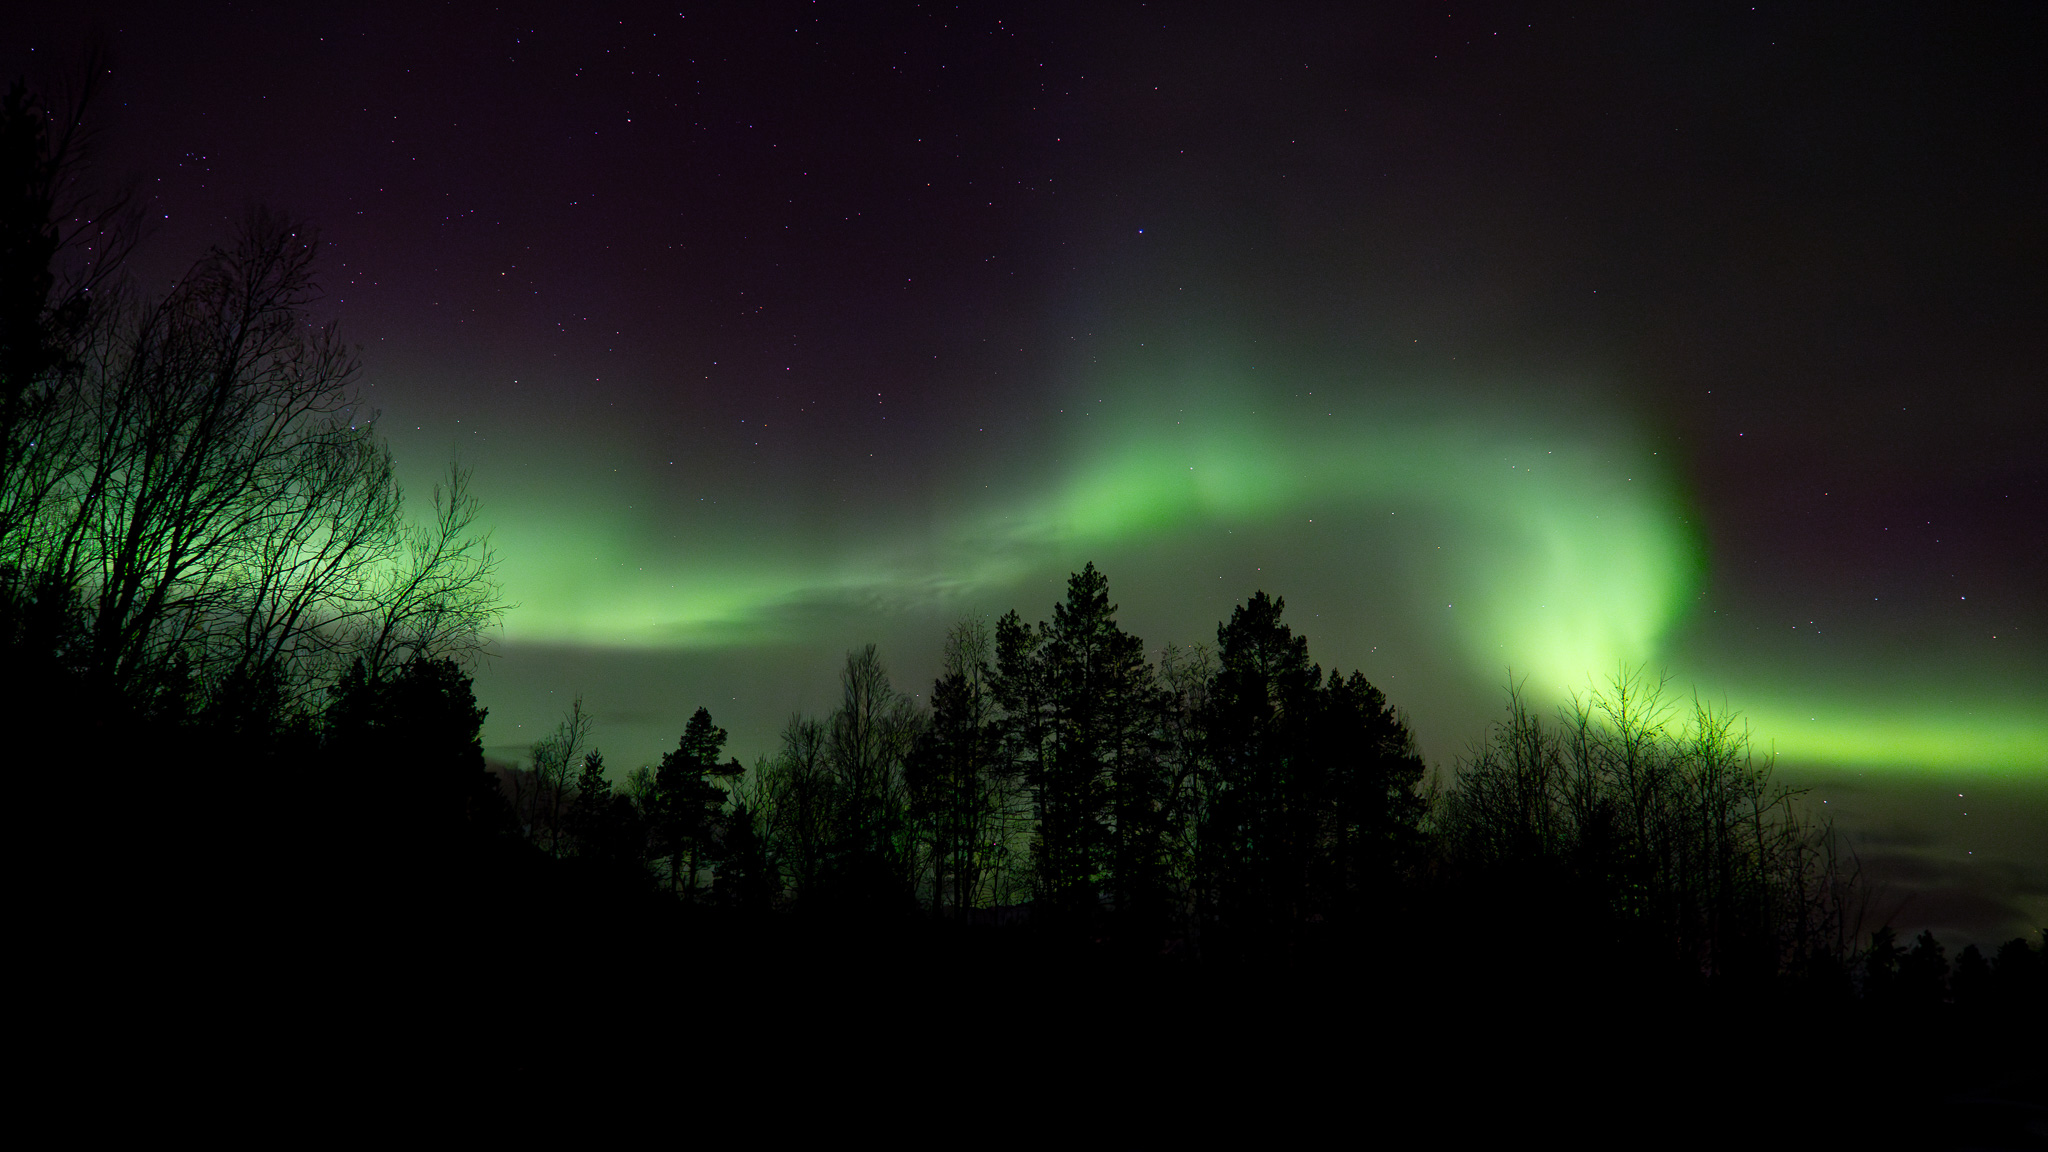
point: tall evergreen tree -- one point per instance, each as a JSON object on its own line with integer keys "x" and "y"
{"x": 1082, "y": 700}
{"x": 1312, "y": 807}
{"x": 1372, "y": 829}
{"x": 1262, "y": 816}
{"x": 687, "y": 799}
{"x": 593, "y": 819}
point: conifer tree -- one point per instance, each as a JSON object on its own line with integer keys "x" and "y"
{"x": 687, "y": 798}
{"x": 1082, "y": 706}
{"x": 1262, "y": 819}
{"x": 1313, "y": 803}
{"x": 590, "y": 813}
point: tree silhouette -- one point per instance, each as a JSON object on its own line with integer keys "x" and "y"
{"x": 193, "y": 479}
{"x": 688, "y": 794}
{"x": 1923, "y": 972}
{"x": 1371, "y": 832}
{"x": 601, "y": 822}
{"x": 1185, "y": 676}
{"x": 1262, "y": 818}
{"x": 797, "y": 798}
{"x": 1640, "y": 823}
{"x": 1082, "y": 710}
{"x": 869, "y": 739}
{"x": 541, "y": 796}
{"x": 63, "y": 242}
{"x": 1881, "y": 966}
{"x": 1971, "y": 982}
{"x": 746, "y": 879}
{"x": 418, "y": 734}
{"x": 1314, "y": 806}
{"x": 2019, "y": 974}
{"x": 957, "y": 776}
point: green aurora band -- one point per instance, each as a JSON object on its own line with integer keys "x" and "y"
{"x": 1571, "y": 552}
{"x": 1569, "y": 557}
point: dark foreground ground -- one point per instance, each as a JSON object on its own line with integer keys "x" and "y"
{"x": 512, "y": 991}
{"x": 500, "y": 995}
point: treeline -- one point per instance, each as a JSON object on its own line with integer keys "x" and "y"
{"x": 1237, "y": 798}
{"x": 1236, "y": 803}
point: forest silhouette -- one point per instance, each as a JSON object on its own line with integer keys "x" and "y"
{"x": 249, "y": 736}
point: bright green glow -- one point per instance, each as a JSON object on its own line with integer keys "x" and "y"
{"x": 1932, "y": 734}
{"x": 1555, "y": 546}
{"x": 579, "y": 580}
{"x": 1566, "y": 549}
{"x": 2001, "y": 738}
{"x": 1563, "y": 553}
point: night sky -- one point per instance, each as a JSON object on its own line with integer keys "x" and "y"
{"x": 1530, "y": 340}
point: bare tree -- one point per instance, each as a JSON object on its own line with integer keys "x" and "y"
{"x": 800, "y": 800}
{"x": 225, "y": 430}
{"x": 63, "y": 241}
{"x": 542, "y": 795}
{"x": 208, "y": 488}
{"x": 1662, "y": 818}
{"x": 439, "y": 597}
{"x": 869, "y": 739}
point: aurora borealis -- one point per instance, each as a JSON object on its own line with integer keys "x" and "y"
{"x": 1534, "y": 545}
{"x": 1601, "y": 561}
{"x": 1500, "y": 340}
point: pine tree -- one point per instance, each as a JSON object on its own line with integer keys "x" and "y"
{"x": 1082, "y": 699}
{"x": 1312, "y": 807}
{"x": 1262, "y": 819}
{"x": 687, "y": 798}
{"x": 590, "y": 813}
{"x": 1372, "y": 830}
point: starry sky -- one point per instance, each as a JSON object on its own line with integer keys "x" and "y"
{"x": 1524, "y": 340}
